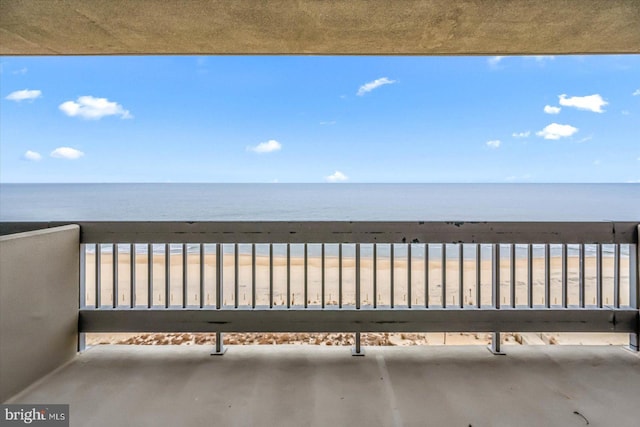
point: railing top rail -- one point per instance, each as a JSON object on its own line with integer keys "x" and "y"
{"x": 342, "y": 231}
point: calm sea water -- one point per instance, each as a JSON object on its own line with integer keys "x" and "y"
{"x": 320, "y": 202}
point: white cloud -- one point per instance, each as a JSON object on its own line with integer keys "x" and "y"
{"x": 33, "y": 156}
{"x": 636, "y": 93}
{"x": 66, "y": 153}
{"x": 495, "y": 60}
{"x": 337, "y": 176}
{"x": 521, "y": 134}
{"x": 21, "y": 71}
{"x": 513, "y": 178}
{"x": 557, "y": 131}
{"x": 88, "y": 107}
{"x": 543, "y": 58}
{"x": 494, "y": 143}
{"x": 590, "y": 103}
{"x": 368, "y": 87}
{"x": 329, "y": 123}
{"x": 201, "y": 65}
{"x": 266, "y": 147}
{"x": 22, "y": 95}
{"x": 585, "y": 139}
{"x": 551, "y": 110}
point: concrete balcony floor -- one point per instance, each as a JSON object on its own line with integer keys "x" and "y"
{"x": 325, "y": 386}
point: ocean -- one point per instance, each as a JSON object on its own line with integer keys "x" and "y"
{"x": 320, "y": 202}
{"x": 328, "y": 202}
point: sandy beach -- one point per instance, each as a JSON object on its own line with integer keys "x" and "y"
{"x": 331, "y": 294}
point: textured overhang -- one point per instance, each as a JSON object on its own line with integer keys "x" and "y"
{"x": 379, "y": 27}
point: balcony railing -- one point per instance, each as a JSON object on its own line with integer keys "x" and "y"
{"x": 359, "y": 277}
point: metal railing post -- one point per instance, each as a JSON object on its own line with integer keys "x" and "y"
{"x": 374, "y": 272}
{"x": 461, "y": 275}
{"x": 167, "y": 275}
{"x": 253, "y": 276}
{"x": 358, "y": 276}
{"x": 82, "y": 302}
{"x": 599, "y": 275}
{"x": 149, "y": 275}
{"x": 530, "y": 275}
{"x": 220, "y": 349}
{"x": 409, "y": 293}
{"x": 547, "y": 275}
{"x": 426, "y": 275}
{"x": 114, "y": 267}
{"x": 616, "y": 275}
{"x": 581, "y": 277}
{"x": 392, "y": 275}
{"x": 512, "y": 279}
{"x": 185, "y": 281}
{"x": 202, "y": 265}
{"x": 495, "y": 296}
{"x": 443, "y": 262}
{"x": 236, "y": 275}
{"x": 357, "y": 349}
{"x": 98, "y": 273}
{"x": 634, "y": 292}
{"x": 322, "y": 276}
{"x": 270, "y": 275}
{"x": 306, "y": 276}
{"x": 132, "y": 275}
{"x": 565, "y": 276}
{"x": 478, "y": 275}
{"x": 339, "y": 275}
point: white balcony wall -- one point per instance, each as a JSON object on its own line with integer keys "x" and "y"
{"x": 39, "y": 284}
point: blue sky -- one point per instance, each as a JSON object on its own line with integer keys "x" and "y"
{"x": 320, "y": 119}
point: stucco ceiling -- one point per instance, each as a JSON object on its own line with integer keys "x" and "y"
{"x": 410, "y": 27}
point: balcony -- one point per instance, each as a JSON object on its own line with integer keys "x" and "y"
{"x": 63, "y": 281}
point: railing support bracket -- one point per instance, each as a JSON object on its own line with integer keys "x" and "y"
{"x": 220, "y": 348}
{"x": 357, "y": 349}
{"x": 494, "y": 347}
